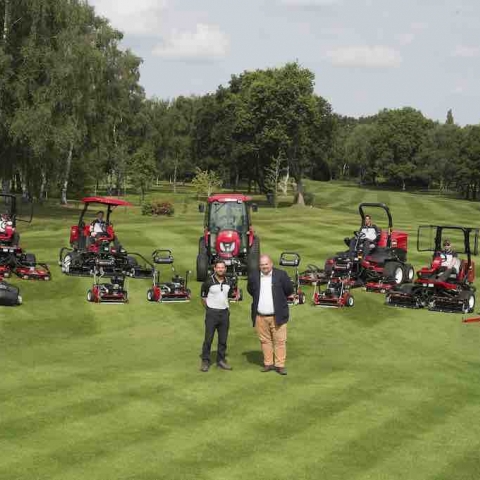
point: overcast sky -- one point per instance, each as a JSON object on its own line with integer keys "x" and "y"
{"x": 366, "y": 54}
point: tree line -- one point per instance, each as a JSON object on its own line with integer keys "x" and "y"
{"x": 73, "y": 116}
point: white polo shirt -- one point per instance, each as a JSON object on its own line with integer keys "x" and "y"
{"x": 215, "y": 293}
{"x": 265, "y": 301}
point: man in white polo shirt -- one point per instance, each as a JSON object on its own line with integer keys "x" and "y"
{"x": 214, "y": 294}
{"x": 270, "y": 289}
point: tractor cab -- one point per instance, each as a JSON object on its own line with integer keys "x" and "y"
{"x": 228, "y": 234}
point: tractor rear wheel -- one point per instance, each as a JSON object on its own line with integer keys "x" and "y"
{"x": 394, "y": 270}
{"x": 202, "y": 248}
{"x": 253, "y": 258}
{"x": 202, "y": 267}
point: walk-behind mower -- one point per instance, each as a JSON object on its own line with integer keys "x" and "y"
{"x": 228, "y": 236}
{"x": 337, "y": 291}
{"x": 431, "y": 289}
{"x": 13, "y": 259}
{"x": 175, "y": 290}
{"x": 113, "y": 292}
{"x": 292, "y": 260}
{"x": 87, "y": 251}
{"x": 380, "y": 270}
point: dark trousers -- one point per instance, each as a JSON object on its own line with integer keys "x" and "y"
{"x": 218, "y": 320}
{"x": 363, "y": 245}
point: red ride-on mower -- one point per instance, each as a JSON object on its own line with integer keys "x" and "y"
{"x": 431, "y": 289}
{"x": 228, "y": 235}
{"x": 292, "y": 260}
{"x": 12, "y": 257}
{"x": 86, "y": 252}
{"x": 174, "y": 291}
{"x": 383, "y": 268}
{"x": 113, "y": 292}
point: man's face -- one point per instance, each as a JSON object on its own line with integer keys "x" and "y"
{"x": 266, "y": 265}
{"x": 100, "y": 216}
{"x": 368, "y": 221}
{"x": 220, "y": 269}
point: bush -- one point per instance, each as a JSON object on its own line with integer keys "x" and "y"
{"x": 158, "y": 207}
{"x": 308, "y": 197}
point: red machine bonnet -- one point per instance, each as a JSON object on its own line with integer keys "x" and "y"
{"x": 227, "y": 244}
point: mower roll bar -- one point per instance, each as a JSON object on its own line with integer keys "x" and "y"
{"x": 13, "y": 209}
{"x": 467, "y": 231}
{"x": 361, "y": 210}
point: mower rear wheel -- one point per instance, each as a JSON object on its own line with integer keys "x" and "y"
{"x": 394, "y": 271}
{"x": 90, "y": 297}
{"x": 19, "y": 300}
{"x": 150, "y": 295}
{"x": 350, "y": 301}
{"x": 409, "y": 273}
{"x": 202, "y": 267}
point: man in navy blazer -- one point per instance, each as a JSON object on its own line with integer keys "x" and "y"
{"x": 270, "y": 289}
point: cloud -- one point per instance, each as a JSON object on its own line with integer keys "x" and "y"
{"x": 138, "y": 17}
{"x": 309, "y": 3}
{"x": 364, "y": 56}
{"x": 405, "y": 38}
{"x": 207, "y": 42}
{"x": 466, "y": 51}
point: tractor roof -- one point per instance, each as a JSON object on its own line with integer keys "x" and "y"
{"x": 107, "y": 201}
{"x": 229, "y": 197}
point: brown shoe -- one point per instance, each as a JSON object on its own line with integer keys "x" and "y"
{"x": 204, "y": 367}
{"x": 281, "y": 370}
{"x": 267, "y": 368}
{"x": 223, "y": 365}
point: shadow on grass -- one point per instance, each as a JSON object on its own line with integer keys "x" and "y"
{"x": 254, "y": 357}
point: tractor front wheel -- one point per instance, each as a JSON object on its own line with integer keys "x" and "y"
{"x": 202, "y": 267}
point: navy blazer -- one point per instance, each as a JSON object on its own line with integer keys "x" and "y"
{"x": 282, "y": 288}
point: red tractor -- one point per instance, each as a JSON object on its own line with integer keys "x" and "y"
{"x": 13, "y": 259}
{"x": 228, "y": 236}
{"x": 378, "y": 271}
{"x": 93, "y": 244}
{"x": 436, "y": 287}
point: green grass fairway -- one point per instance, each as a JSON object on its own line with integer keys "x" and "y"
{"x": 113, "y": 392}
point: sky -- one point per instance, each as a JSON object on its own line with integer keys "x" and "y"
{"x": 366, "y": 54}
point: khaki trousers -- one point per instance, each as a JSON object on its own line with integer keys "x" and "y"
{"x": 273, "y": 339}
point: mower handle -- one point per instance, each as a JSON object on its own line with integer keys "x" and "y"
{"x": 289, "y": 259}
{"x": 162, "y": 257}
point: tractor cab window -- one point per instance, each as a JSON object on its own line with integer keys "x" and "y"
{"x": 228, "y": 216}
{"x": 6, "y": 206}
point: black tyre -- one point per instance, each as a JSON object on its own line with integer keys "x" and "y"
{"x": 253, "y": 258}
{"x": 409, "y": 273}
{"x": 150, "y": 295}
{"x": 90, "y": 296}
{"x": 301, "y": 298}
{"x": 240, "y": 295}
{"x": 468, "y": 302}
{"x": 202, "y": 248}
{"x": 350, "y": 301}
{"x": 394, "y": 270}
{"x": 202, "y": 267}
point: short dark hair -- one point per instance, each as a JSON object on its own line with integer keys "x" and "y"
{"x": 368, "y": 216}
{"x": 100, "y": 212}
{"x": 217, "y": 262}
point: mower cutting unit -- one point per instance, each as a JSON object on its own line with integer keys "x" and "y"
{"x": 87, "y": 252}
{"x": 174, "y": 291}
{"x": 228, "y": 236}
{"x": 453, "y": 294}
{"x": 337, "y": 292}
{"x": 113, "y": 292}
{"x": 12, "y": 257}
{"x": 292, "y": 260}
{"x": 383, "y": 268}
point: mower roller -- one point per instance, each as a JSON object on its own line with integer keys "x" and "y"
{"x": 380, "y": 270}
{"x": 292, "y": 260}
{"x": 13, "y": 259}
{"x": 228, "y": 236}
{"x": 86, "y": 252}
{"x": 175, "y": 290}
{"x": 453, "y": 294}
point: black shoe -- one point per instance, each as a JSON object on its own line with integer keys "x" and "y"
{"x": 205, "y": 366}
{"x": 281, "y": 370}
{"x": 267, "y": 368}
{"x": 224, "y": 365}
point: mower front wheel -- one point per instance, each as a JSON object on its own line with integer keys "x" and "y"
{"x": 468, "y": 302}
{"x": 394, "y": 271}
{"x": 409, "y": 273}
